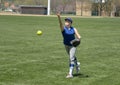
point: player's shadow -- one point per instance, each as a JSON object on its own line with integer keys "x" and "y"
{"x": 81, "y": 75}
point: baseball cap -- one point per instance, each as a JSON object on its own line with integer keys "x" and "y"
{"x": 69, "y": 19}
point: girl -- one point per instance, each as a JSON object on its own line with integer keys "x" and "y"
{"x": 70, "y": 33}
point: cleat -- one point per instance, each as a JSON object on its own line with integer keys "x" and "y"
{"x": 69, "y": 76}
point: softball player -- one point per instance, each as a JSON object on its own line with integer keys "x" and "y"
{"x": 70, "y": 33}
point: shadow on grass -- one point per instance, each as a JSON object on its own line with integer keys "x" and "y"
{"x": 81, "y": 75}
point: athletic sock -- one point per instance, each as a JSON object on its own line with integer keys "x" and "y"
{"x": 71, "y": 69}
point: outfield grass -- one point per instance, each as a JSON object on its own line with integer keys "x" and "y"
{"x": 29, "y": 59}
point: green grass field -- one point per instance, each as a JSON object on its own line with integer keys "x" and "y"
{"x": 29, "y": 59}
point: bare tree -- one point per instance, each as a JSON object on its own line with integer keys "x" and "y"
{"x": 73, "y": 3}
{"x": 64, "y": 4}
{"x": 37, "y": 2}
{"x": 54, "y": 4}
{"x": 109, "y": 7}
{"x": 31, "y": 2}
{"x": 101, "y": 7}
{"x": 116, "y": 7}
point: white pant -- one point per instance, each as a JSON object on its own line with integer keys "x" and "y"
{"x": 71, "y": 52}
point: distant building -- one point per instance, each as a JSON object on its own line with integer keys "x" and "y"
{"x": 83, "y": 8}
{"x": 33, "y": 9}
{"x": 95, "y": 8}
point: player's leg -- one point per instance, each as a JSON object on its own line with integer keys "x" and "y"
{"x": 71, "y": 64}
{"x": 77, "y": 64}
{"x": 71, "y": 51}
{"x": 67, "y": 49}
{"x": 73, "y": 60}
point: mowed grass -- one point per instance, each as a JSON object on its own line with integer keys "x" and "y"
{"x": 29, "y": 59}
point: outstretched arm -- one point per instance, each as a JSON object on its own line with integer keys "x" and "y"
{"x": 60, "y": 22}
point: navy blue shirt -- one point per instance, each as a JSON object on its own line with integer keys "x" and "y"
{"x": 68, "y": 35}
